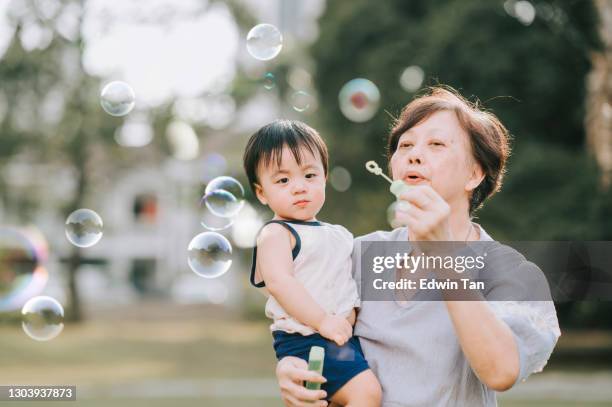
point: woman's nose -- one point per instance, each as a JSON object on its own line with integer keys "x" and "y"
{"x": 415, "y": 155}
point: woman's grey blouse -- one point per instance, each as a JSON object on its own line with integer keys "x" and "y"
{"x": 413, "y": 349}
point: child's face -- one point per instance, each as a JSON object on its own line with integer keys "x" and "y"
{"x": 293, "y": 191}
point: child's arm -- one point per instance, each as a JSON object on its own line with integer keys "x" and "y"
{"x": 276, "y": 265}
{"x": 352, "y": 317}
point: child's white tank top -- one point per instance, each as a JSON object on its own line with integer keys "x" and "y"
{"x": 322, "y": 263}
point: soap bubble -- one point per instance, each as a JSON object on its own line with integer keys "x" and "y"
{"x": 412, "y": 78}
{"x": 269, "y": 81}
{"x": 117, "y": 98}
{"x": 215, "y": 223}
{"x": 222, "y": 203}
{"x": 340, "y": 179}
{"x": 209, "y": 255}
{"x": 359, "y": 100}
{"x": 230, "y": 185}
{"x": 18, "y": 262}
{"x": 264, "y": 42}
{"x": 42, "y": 318}
{"x": 84, "y": 228}
{"x": 301, "y": 101}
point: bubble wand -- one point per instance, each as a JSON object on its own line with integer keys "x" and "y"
{"x": 397, "y": 187}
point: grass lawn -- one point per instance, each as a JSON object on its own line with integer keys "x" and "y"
{"x": 160, "y": 355}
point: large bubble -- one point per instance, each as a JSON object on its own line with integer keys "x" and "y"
{"x": 359, "y": 100}
{"x": 117, "y": 98}
{"x": 42, "y": 318}
{"x": 224, "y": 196}
{"x": 19, "y": 262}
{"x": 209, "y": 255}
{"x": 264, "y": 42}
{"x": 222, "y": 203}
{"x": 84, "y": 228}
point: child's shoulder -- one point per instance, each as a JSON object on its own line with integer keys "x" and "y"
{"x": 272, "y": 231}
{"x": 340, "y": 229}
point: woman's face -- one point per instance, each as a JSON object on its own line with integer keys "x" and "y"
{"x": 437, "y": 152}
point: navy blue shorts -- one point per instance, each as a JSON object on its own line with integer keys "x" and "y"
{"x": 341, "y": 363}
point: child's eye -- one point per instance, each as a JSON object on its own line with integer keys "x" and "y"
{"x": 311, "y": 175}
{"x": 282, "y": 181}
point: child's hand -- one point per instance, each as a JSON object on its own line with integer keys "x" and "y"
{"x": 336, "y": 328}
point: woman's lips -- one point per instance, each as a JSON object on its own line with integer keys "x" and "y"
{"x": 414, "y": 180}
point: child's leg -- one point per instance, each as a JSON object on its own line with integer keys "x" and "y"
{"x": 362, "y": 390}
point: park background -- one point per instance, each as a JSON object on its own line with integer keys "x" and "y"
{"x": 141, "y": 328}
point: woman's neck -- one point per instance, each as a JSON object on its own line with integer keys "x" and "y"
{"x": 461, "y": 225}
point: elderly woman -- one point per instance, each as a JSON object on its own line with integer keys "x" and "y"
{"x": 443, "y": 353}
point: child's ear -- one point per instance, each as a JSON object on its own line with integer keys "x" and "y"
{"x": 475, "y": 179}
{"x": 260, "y": 195}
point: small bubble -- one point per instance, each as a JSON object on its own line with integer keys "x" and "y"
{"x": 42, "y": 318}
{"x": 209, "y": 255}
{"x": 84, "y": 228}
{"x": 117, "y": 98}
{"x": 301, "y": 101}
{"x": 359, "y": 100}
{"x": 269, "y": 81}
{"x": 264, "y": 42}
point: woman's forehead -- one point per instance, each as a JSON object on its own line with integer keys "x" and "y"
{"x": 439, "y": 124}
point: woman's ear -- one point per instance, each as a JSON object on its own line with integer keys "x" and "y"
{"x": 475, "y": 179}
{"x": 260, "y": 195}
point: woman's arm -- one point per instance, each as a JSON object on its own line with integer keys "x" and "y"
{"x": 487, "y": 342}
{"x": 275, "y": 264}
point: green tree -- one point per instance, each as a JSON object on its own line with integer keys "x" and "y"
{"x": 531, "y": 75}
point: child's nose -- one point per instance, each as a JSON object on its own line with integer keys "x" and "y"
{"x": 298, "y": 187}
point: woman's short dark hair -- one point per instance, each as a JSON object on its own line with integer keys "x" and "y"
{"x": 266, "y": 145}
{"x": 489, "y": 139}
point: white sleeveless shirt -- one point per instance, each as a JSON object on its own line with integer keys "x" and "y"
{"x": 322, "y": 264}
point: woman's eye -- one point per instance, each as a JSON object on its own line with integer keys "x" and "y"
{"x": 404, "y": 145}
{"x": 437, "y": 143}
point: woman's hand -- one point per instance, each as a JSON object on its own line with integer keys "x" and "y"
{"x": 291, "y": 372}
{"x": 425, "y": 214}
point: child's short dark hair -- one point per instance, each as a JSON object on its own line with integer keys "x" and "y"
{"x": 267, "y": 145}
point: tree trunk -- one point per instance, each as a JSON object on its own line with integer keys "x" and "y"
{"x": 75, "y": 311}
{"x": 598, "y": 121}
